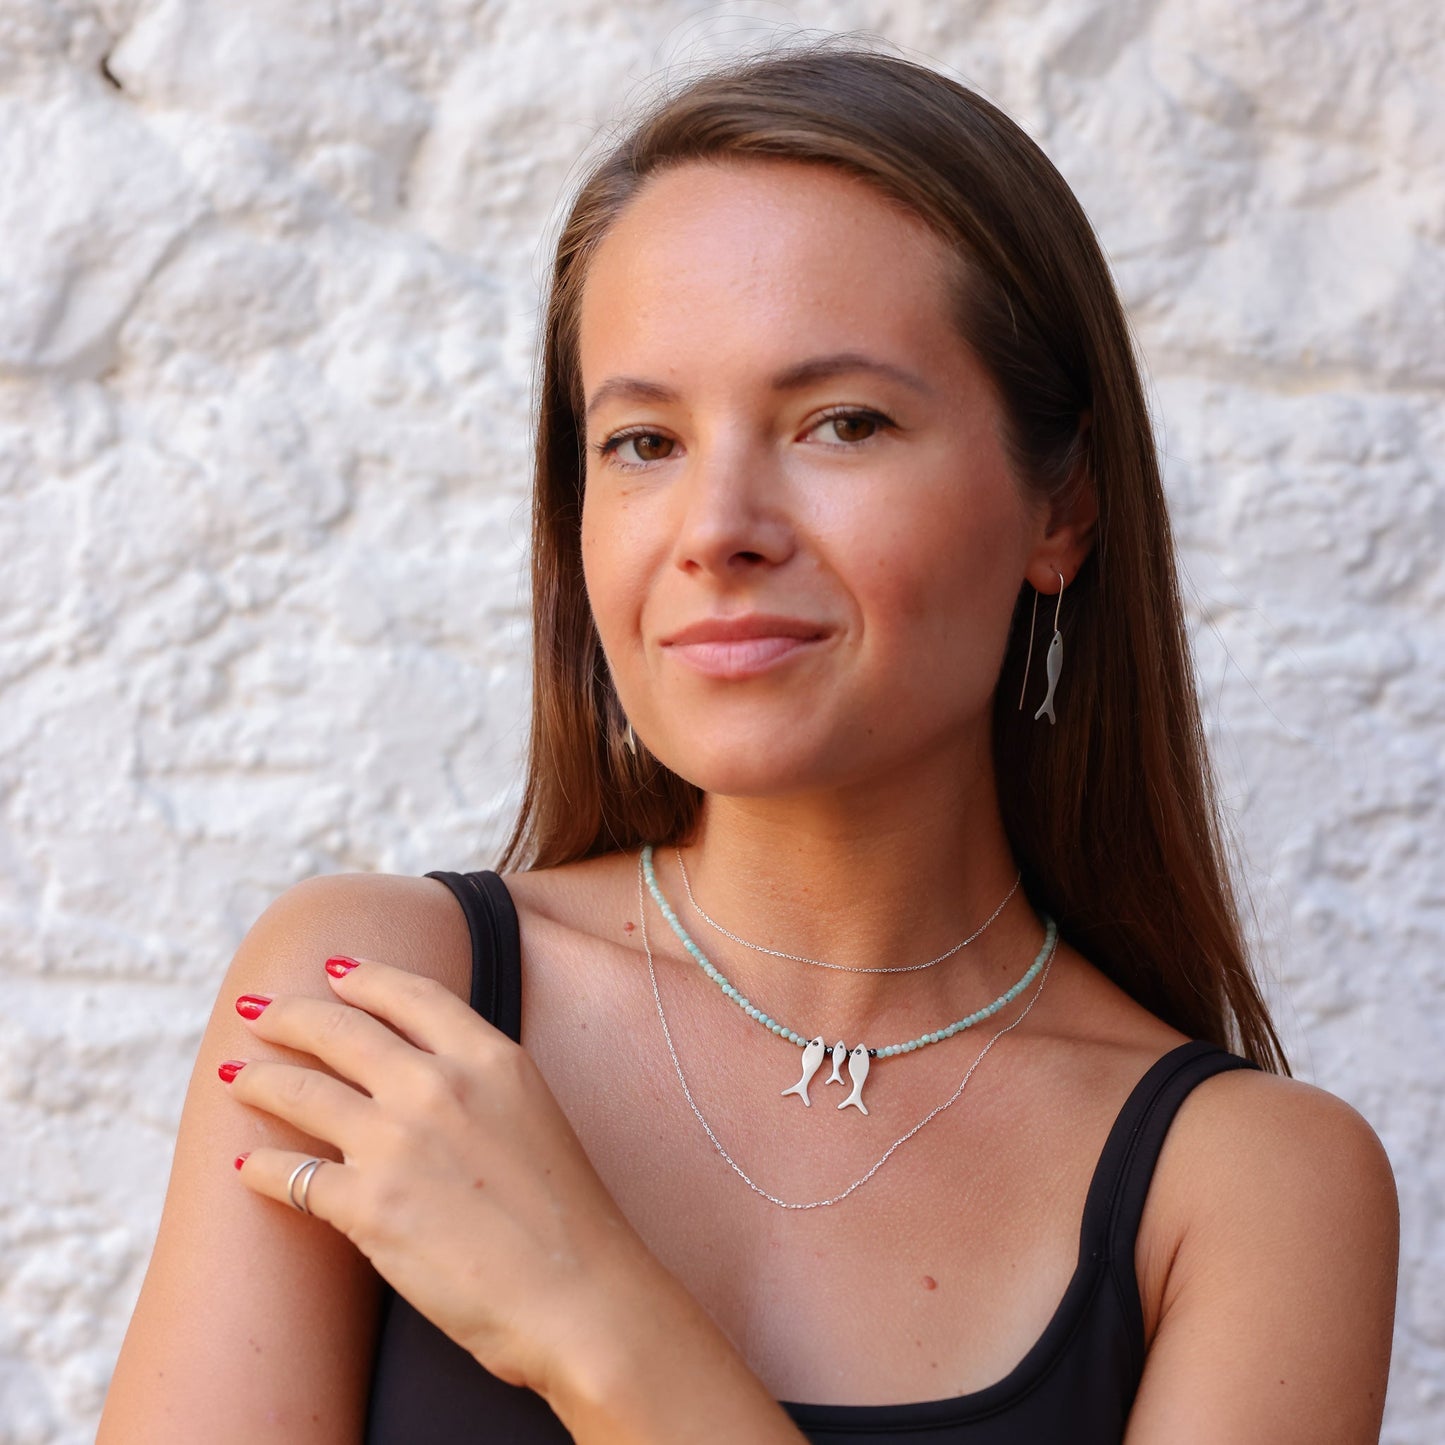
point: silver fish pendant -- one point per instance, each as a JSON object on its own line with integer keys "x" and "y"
{"x": 840, "y": 1052}
{"x": 857, "y": 1071}
{"x": 812, "y": 1061}
{"x": 1052, "y": 663}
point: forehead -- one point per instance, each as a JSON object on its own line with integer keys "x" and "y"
{"x": 762, "y": 260}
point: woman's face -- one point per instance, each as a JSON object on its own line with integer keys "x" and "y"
{"x": 801, "y": 539}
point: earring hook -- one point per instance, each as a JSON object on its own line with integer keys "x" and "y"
{"x": 1033, "y": 625}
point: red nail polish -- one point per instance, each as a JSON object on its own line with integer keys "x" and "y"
{"x": 251, "y": 1005}
{"x": 241, "y": 1159}
{"x": 230, "y": 1069}
{"x": 340, "y": 966}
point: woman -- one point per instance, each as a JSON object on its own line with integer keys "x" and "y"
{"x": 858, "y": 653}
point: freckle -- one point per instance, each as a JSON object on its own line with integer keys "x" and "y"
{"x": 929, "y": 1282}
{"x": 629, "y": 926}
{"x": 477, "y": 1183}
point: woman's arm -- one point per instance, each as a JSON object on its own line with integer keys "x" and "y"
{"x": 463, "y": 1184}
{"x": 1279, "y": 1303}
{"x": 253, "y": 1322}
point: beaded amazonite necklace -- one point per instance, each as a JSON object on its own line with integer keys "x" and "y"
{"x": 815, "y": 1048}
{"x": 860, "y": 1054}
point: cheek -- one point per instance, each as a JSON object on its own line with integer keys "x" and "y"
{"x": 611, "y": 572}
{"x": 953, "y": 570}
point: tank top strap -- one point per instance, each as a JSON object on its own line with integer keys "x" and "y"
{"x": 496, "y": 947}
{"x": 1115, "y": 1202}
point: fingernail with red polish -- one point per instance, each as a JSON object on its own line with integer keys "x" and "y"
{"x": 241, "y": 1159}
{"x": 230, "y": 1069}
{"x": 251, "y": 1005}
{"x": 340, "y": 966}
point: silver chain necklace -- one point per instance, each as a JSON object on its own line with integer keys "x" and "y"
{"x": 818, "y": 962}
{"x": 902, "y": 1139}
{"x": 815, "y": 1050}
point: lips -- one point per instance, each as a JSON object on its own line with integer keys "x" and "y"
{"x": 746, "y": 628}
{"x": 736, "y": 647}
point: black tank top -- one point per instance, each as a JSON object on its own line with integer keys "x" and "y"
{"x": 1075, "y": 1386}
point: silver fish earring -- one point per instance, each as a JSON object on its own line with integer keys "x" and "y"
{"x": 1054, "y": 662}
{"x": 630, "y": 738}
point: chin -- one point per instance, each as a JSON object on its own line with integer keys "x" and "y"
{"x": 752, "y": 769}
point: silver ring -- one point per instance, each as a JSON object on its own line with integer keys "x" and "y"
{"x": 308, "y": 1167}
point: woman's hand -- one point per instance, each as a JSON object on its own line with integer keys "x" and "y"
{"x": 459, "y": 1176}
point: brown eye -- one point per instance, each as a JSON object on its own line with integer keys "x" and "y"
{"x": 647, "y": 446}
{"x": 853, "y": 428}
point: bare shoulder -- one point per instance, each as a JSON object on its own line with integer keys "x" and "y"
{"x": 1278, "y": 1206}
{"x": 410, "y": 922}
{"x": 1247, "y": 1144}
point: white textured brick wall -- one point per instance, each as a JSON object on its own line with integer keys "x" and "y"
{"x": 268, "y": 278}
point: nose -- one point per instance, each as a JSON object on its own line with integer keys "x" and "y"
{"x": 732, "y": 510}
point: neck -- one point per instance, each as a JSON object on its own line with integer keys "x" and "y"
{"x": 879, "y": 876}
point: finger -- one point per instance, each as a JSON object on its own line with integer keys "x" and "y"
{"x": 273, "y": 1174}
{"x": 318, "y": 1105}
{"x": 425, "y": 1011}
{"x": 347, "y": 1040}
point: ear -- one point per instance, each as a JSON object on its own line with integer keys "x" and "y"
{"x": 1068, "y": 523}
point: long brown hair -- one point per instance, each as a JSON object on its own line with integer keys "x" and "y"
{"x": 1111, "y": 813}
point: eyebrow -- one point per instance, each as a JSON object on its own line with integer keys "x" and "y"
{"x": 792, "y": 378}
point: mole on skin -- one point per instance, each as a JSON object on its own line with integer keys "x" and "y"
{"x": 929, "y": 1282}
